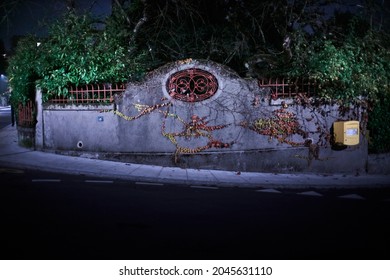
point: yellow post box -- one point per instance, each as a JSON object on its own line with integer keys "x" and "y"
{"x": 346, "y": 132}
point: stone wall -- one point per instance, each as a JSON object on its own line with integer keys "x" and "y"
{"x": 235, "y": 125}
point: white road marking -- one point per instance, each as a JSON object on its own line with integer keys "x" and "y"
{"x": 352, "y": 196}
{"x": 99, "y": 181}
{"x": 11, "y": 170}
{"x": 268, "y": 191}
{"x": 46, "y": 180}
{"x": 204, "y": 187}
{"x": 310, "y": 193}
{"x": 149, "y": 184}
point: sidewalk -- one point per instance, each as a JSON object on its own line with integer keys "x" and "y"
{"x": 5, "y": 107}
{"x": 14, "y": 156}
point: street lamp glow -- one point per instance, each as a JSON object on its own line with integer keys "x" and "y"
{"x": 3, "y": 78}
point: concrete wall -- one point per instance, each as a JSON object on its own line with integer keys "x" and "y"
{"x": 379, "y": 163}
{"x": 147, "y": 125}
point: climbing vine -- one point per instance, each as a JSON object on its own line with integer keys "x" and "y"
{"x": 281, "y": 125}
{"x": 143, "y": 109}
{"x": 197, "y": 127}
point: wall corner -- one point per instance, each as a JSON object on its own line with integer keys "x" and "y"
{"x": 39, "y": 117}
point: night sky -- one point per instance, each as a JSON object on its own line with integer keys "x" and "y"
{"x": 27, "y": 16}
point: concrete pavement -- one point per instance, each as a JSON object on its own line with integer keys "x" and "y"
{"x": 13, "y": 156}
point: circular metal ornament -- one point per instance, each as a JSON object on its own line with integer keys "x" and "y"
{"x": 192, "y": 85}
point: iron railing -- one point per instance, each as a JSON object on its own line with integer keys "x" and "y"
{"x": 26, "y": 114}
{"x": 96, "y": 93}
{"x": 288, "y": 88}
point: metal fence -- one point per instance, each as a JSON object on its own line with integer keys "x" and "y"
{"x": 104, "y": 93}
{"x": 287, "y": 88}
{"x": 26, "y": 114}
{"x": 96, "y": 93}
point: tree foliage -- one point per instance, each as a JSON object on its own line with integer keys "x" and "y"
{"x": 76, "y": 52}
{"x": 255, "y": 38}
{"x": 81, "y": 54}
{"x": 21, "y": 71}
{"x": 345, "y": 54}
{"x": 345, "y": 70}
{"x": 235, "y": 33}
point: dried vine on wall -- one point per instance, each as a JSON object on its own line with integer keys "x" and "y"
{"x": 195, "y": 128}
{"x": 281, "y": 125}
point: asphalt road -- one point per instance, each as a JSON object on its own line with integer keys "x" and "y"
{"x": 5, "y": 117}
{"x": 56, "y": 216}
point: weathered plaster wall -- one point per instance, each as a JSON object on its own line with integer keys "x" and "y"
{"x": 80, "y": 128}
{"x": 147, "y": 125}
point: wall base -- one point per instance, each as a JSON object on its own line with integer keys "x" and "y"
{"x": 289, "y": 160}
{"x": 26, "y": 136}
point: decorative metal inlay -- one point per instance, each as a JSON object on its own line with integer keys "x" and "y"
{"x": 192, "y": 85}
